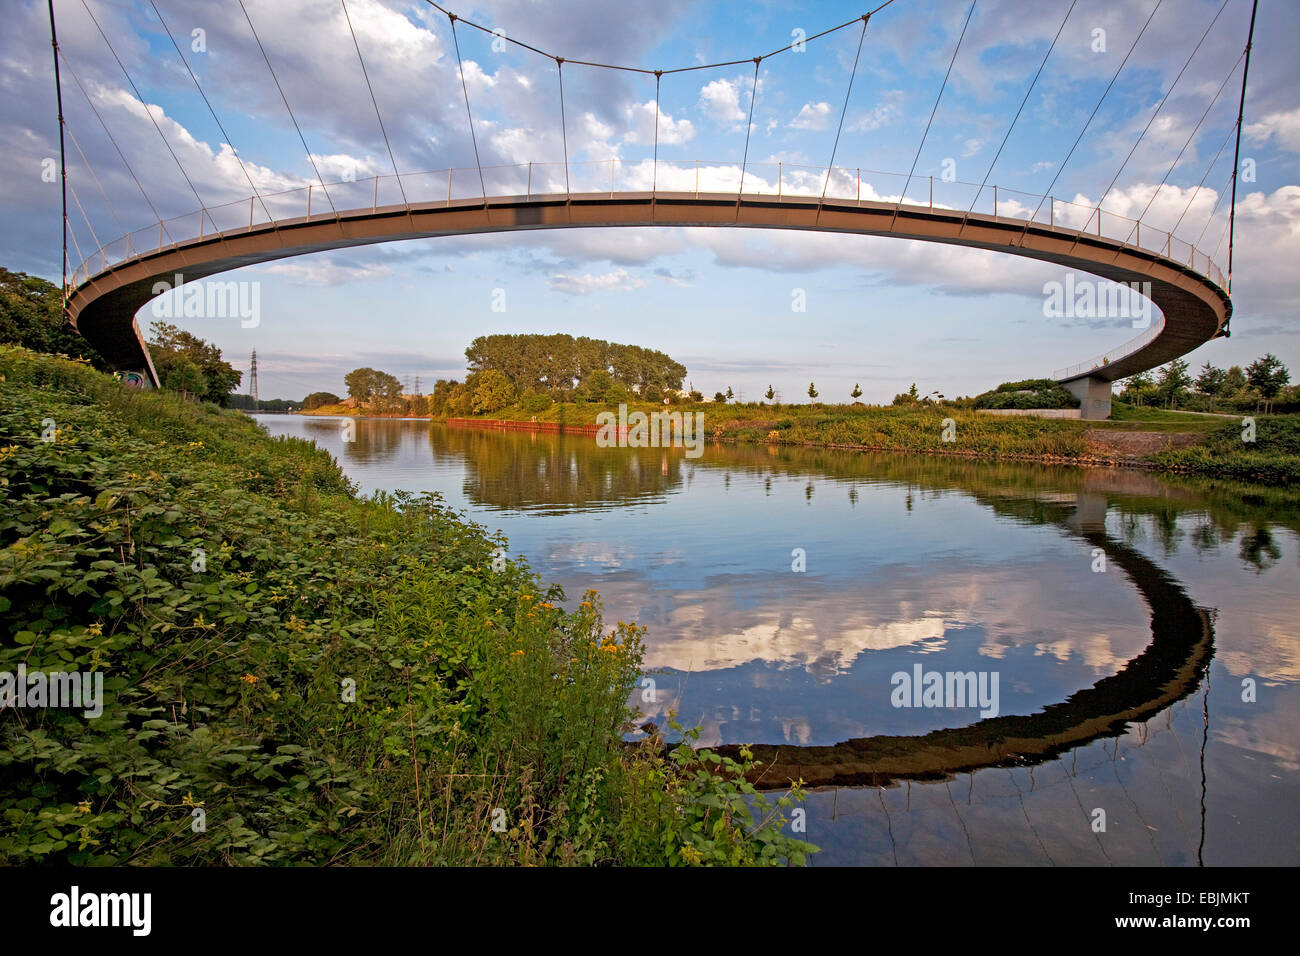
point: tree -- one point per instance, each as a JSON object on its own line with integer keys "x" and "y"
{"x": 856, "y": 393}
{"x": 697, "y": 395}
{"x": 317, "y": 399}
{"x": 1210, "y": 382}
{"x": 31, "y": 315}
{"x": 1234, "y": 381}
{"x": 812, "y": 393}
{"x": 1268, "y": 376}
{"x": 170, "y": 344}
{"x": 492, "y": 392}
{"x": 913, "y": 394}
{"x": 1136, "y": 388}
{"x": 597, "y": 384}
{"x": 183, "y": 376}
{"x": 373, "y": 388}
{"x": 1172, "y": 382}
{"x": 719, "y": 398}
{"x": 770, "y": 393}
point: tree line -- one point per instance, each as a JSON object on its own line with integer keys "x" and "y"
{"x": 562, "y": 364}
{"x": 1261, "y": 385}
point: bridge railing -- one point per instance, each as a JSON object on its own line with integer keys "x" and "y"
{"x": 1114, "y": 355}
{"x": 614, "y": 176}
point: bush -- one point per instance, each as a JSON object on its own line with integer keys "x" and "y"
{"x": 535, "y": 402}
{"x": 329, "y": 679}
{"x": 319, "y": 399}
{"x": 1031, "y": 393}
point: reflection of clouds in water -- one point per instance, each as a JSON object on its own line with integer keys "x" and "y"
{"x": 1094, "y": 650}
{"x": 1272, "y": 734}
{"x": 783, "y": 639}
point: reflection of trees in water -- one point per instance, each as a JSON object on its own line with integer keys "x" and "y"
{"x": 1259, "y": 550}
{"x": 529, "y": 470}
{"x": 374, "y": 439}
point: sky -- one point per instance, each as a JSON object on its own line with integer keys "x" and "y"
{"x": 879, "y": 312}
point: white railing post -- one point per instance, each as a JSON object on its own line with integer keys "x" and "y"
{"x": 859, "y": 185}
{"x": 931, "y": 194}
{"x": 448, "y": 187}
{"x": 202, "y": 212}
{"x": 778, "y": 179}
{"x": 1051, "y": 212}
{"x": 530, "y": 181}
{"x": 309, "y": 202}
{"x": 611, "y": 178}
{"x": 1098, "y": 222}
{"x": 160, "y": 233}
{"x": 697, "y": 179}
{"x": 250, "y": 212}
{"x": 374, "y": 203}
{"x": 995, "y": 203}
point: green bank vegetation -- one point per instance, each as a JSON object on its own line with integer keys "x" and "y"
{"x": 1273, "y": 458}
{"x": 295, "y": 674}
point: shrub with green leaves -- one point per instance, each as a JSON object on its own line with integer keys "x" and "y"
{"x": 294, "y": 674}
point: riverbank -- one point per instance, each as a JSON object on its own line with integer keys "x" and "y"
{"x": 1148, "y": 439}
{"x": 292, "y": 674}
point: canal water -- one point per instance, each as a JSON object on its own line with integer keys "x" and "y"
{"x": 974, "y": 663}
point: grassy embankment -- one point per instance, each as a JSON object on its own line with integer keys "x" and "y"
{"x": 294, "y": 674}
{"x": 1215, "y": 446}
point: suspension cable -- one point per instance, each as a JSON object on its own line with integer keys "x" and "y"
{"x": 935, "y": 108}
{"x": 639, "y": 69}
{"x": 1163, "y": 101}
{"x": 91, "y": 169}
{"x": 749, "y": 126}
{"x": 1078, "y": 139}
{"x": 63, "y": 164}
{"x": 1209, "y": 169}
{"x": 1241, "y": 109}
{"x": 1213, "y": 209}
{"x": 120, "y": 154}
{"x": 654, "y": 176}
{"x": 1016, "y": 118}
{"x": 139, "y": 96}
{"x": 1190, "y": 137}
{"x": 866, "y": 18}
{"x": 310, "y": 158}
{"x": 375, "y": 103}
{"x": 465, "y": 89}
{"x": 564, "y": 130}
{"x": 224, "y": 135}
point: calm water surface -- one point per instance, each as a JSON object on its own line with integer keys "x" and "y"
{"x": 1123, "y": 616}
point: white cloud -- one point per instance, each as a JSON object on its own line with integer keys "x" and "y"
{"x": 812, "y": 116}
{"x": 322, "y": 272}
{"x": 619, "y": 280}
{"x": 641, "y": 120}
{"x": 720, "y": 101}
{"x": 1284, "y": 127}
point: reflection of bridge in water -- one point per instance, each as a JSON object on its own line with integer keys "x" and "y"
{"x": 1168, "y": 670}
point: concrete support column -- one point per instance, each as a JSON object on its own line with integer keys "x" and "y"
{"x": 1093, "y": 395}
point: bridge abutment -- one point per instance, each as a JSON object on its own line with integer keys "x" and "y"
{"x": 1093, "y": 395}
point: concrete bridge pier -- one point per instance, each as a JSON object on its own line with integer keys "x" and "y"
{"x": 1093, "y": 395}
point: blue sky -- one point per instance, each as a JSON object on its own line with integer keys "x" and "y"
{"x": 880, "y": 312}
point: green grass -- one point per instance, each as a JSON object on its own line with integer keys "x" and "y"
{"x": 317, "y": 678}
